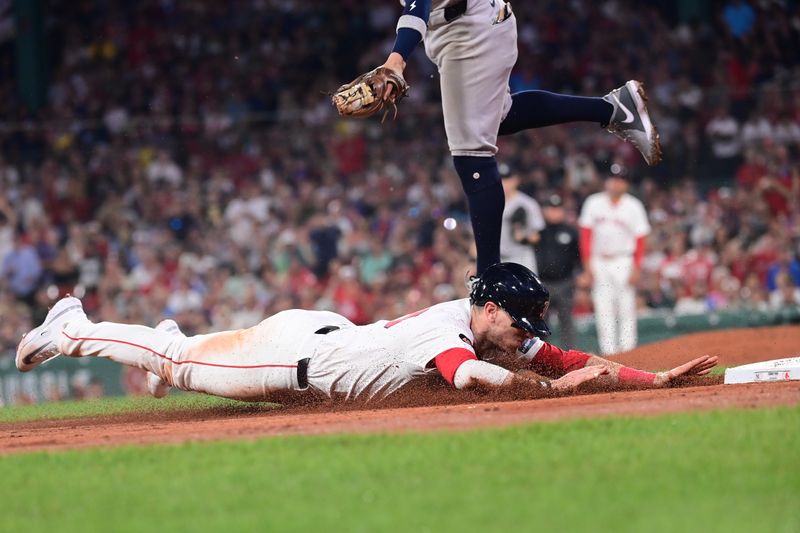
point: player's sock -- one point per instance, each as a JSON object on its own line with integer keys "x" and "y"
{"x": 537, "y": 109}
{"x": 481, "y": 182}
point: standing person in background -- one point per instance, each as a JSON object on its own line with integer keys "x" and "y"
{"x": 522, "y": 222}
{"x": 613, "y": 226}
{"x": 559, "y": 258}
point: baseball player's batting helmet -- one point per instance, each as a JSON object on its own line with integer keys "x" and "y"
{"x": 518, "y": 291}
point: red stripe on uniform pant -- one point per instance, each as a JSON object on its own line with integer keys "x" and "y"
{"x": 175, "y": 362}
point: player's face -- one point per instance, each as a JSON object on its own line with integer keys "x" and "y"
{"x": 502, "y": 337}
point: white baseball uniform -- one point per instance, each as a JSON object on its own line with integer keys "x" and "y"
{"x": 511, "y": 250}
{"x": 615, "y": 229}
{"x": 474, "y": 56}
{"x": 367, "y": 362}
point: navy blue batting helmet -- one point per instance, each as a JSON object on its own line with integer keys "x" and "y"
{"x": 518, "y": 291}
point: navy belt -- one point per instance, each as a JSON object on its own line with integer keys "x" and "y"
{"x": 454, "y": 11}
{"x": 302, "y": 373}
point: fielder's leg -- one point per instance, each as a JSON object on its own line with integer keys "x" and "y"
{"x": 475, "y": 59}
{"x": 623, "y": 112}
{"x": 480, "y": 180}
{"x": 537, "y": 109}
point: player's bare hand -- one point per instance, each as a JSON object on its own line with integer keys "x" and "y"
{"x": 395, "y": 62}
{"x": 572, "y": 379}
{"x": 696, "y": 367}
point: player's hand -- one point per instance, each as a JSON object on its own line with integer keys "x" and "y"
{"x": 572, "y": 379}
{"x": 696, "y": 367}
{"x": 395, "y": 62}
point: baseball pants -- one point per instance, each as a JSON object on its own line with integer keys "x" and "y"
{"x": 614, "y": 304}
{"x": 246, "y": 364}
{"x": 474, "y": 58}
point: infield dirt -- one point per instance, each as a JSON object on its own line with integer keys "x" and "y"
{"x": 435, "y": 407}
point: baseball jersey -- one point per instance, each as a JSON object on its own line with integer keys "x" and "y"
{"x": 521, "y": 211}
{"x": 615, "y": 227}
{"x": 373, "y": 361}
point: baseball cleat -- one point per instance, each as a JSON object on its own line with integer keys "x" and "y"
{"x": 157, "y": 387}
{"x": 631, "y": 121}
{"x": 41, "y": 344}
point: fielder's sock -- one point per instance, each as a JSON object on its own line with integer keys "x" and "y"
{"x": 537, "y": 109}
{"x": 481, "y": 182}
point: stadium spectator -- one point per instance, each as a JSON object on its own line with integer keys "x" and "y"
{"x": 21, "y": 269}
{"x": 723, "y": 134}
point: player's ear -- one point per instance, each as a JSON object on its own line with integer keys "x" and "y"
{"x": 490, "y": 308}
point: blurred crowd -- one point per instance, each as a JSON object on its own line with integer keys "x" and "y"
{"x": 187, "y": 164}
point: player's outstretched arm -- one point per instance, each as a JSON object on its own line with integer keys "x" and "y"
{"x": 622, "y": 375}
{"x": 474, "y": 372}
{"x": 567, "y": 382}
{"x": 551, "y": 359}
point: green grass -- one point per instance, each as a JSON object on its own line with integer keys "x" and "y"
{"x": 116, "y": 406}
{"x": 718, "y": 471}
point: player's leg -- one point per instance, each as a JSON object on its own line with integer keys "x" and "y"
{"x": 604, "y": 299}
{"x": 39, "y": 345}
{"x": 156, "y": 386}
{"x": 628, "y": 327}
{"x": 486, "y": 202}
{"x": 67, "y": 330}
{"x": 538, "y": 109}
{"x": 132, "y": 345}
{"x": 245, "y": 364}
{"x": 623, "y": 112}
{"x": 474, "y": 60}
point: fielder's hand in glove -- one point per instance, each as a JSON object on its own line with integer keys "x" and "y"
{"x": 371, "y": 93}
{"x": 696, "y": 367}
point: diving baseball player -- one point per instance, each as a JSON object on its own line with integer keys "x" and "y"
{"x": 474, "y": 46}
{"x": 613, "y": 226}
{"x": 325, "y": 354}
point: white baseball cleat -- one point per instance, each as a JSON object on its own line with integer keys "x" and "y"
{"x": 157, "y": 387}
{"x": 631, "y": 121}
{"x": 41, "y": 344}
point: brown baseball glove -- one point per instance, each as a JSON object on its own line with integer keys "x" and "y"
{"x": 367, "y": 94}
